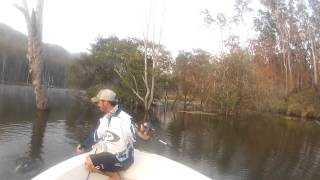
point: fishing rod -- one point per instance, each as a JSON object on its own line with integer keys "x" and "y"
{"x": 89, "y": 171}
{"x": 165, "y": 143}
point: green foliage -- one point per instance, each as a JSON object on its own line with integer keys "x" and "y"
{"x": 93, "y": 90}
{"x": 126, "y": 97}
{"x": 97, "y": 68}
{"x": 117, "y": 64}
{"x": 265, "y": 26}
{"x": 229, "y": 84}
{"x": 234, "y": 77}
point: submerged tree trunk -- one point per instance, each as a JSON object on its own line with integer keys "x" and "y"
{"x": 34, "y": 54}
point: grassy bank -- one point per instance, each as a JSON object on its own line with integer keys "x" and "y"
{"x": 304, "y": 104}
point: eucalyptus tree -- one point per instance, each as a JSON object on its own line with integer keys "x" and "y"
{"x": 154, "y": 55}
{"x": 279, "y": 14}
{"x": 220, "y": 21}
{"x": 296, "y": 24}
{"x": 290, "y": 27}
{"x": 194, "y": 76}
{"x": 200, "y": 75}
{"x": 141, "y": 71}
{"x": 314, "y": 36}
{"x": 305, "y": 46}
{"x": 182, "y": 73}
{"x": 33, "y": 21}
{"x": 241, "y": 7}
{"x": 234, "y": 82}
{"x": 226, "y": 23}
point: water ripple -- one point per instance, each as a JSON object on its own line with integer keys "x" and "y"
{"x": 14, "y": 130}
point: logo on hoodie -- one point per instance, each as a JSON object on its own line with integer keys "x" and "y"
{"x": 110, "y": 136}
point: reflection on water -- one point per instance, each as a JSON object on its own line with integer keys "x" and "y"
{"x": 32, "y": 141}
{"x": 38, "y": 129}
{"x": 261, "y": 147}
{"x": 257, "y": 147}
{"x": 33, "y": 159}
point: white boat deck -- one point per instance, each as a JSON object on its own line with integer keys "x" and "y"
{"x": 146, "y": 166}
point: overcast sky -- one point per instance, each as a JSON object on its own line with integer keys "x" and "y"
{"x": 75, "y": 24}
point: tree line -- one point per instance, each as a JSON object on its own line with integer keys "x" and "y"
{"x": 276, "y": 72}
{"x": 225, "y": 84}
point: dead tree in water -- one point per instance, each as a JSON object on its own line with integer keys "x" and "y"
{"x": 34, "y": 54}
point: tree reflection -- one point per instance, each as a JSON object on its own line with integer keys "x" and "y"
{"x": 34, "y": 159}
{"x": 38, "y": 129}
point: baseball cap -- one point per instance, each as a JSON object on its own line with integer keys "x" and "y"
{"x": 105, "y": 94}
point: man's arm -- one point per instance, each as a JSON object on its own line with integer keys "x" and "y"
{"x": 89, "y": 141}
{"x": 86, "y": 145}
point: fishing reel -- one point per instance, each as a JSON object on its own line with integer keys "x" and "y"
{"x": 146, "y": 127}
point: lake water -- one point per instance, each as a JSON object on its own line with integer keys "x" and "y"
{"x": 256, "y": 147}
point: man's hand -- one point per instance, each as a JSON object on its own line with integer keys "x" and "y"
{"x": 143, "y": 133}
{"x": 79, "y": 149}
{"x": 89, "y": 165}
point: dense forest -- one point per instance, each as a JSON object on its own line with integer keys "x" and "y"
{"x": 278, "y": 71}
{"x": 14, "y": 68}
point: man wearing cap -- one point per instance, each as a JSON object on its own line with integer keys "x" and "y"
{"x": 112, "y": 141}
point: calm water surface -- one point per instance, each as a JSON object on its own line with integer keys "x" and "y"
{"x": 260, "y": 147}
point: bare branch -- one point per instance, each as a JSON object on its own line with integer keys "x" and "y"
{"x": 136, "y": 91}
{"x": 25, "y": 11}
{"x": 135, "y": 83}
{"x": 119, "y": 74}
{"x": 132, "y": 89}
{"x": 39, "y": 14}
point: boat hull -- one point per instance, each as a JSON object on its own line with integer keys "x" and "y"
{"x": 145, "y": 167}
